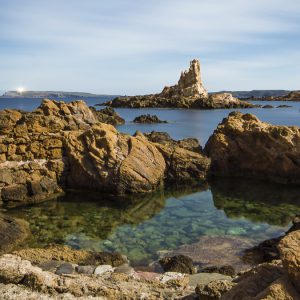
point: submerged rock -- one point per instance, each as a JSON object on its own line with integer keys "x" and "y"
{"x": 148, "y": 119}
{"x": 189, "y": 92}
{"x": 217, "y": 251}
{"x": 243, "y": 146}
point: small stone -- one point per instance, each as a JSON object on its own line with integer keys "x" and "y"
{"x": 50, "y": 265}
{"x": 126, "y": 269}
{"x": 174, "y": 279}
{"x": 102, "y": 269}
{"x": 85, "y": 269}
{"x": 65, "y": 268}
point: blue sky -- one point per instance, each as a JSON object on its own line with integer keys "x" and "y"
{"x": 138, "y": 46}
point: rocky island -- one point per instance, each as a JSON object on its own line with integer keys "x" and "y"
{"x": 189, "y": 92}
{"x": 148, "y": 119}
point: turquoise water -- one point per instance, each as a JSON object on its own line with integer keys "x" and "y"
{"x": 144, "y": 226}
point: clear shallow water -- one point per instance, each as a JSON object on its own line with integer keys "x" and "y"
{"x": 143, "y": 226}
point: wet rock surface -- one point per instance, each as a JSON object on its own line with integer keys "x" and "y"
{"x": 189, "y": 92}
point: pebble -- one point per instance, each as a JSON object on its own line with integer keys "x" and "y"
{"x": 102, "y": 269}
{"x": 65, "y": 268}
{"x": 85, "y": 269}
{"x": 125, "y": 269}
{"x": 50, "y": 265}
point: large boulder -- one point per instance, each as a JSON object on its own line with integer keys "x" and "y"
{"x": 278, "y": 279}
{"x": 185, "y": 160}
{"x": 243, "y": 146}
{"x": 289, "y": 248}
{"x": 102, "y": 158}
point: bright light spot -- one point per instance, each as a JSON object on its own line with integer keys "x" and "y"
{"x": 20, "y": 90}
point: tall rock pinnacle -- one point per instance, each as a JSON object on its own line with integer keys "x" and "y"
{"x": 189, "y": 85}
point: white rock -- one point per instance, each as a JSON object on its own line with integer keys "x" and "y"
{"x": 102, "y": 269}
{"x": 170, "y": 276}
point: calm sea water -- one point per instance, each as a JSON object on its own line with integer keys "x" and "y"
{"x": 144, "y": 226}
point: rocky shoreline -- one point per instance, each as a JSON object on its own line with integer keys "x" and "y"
{"x": 62, "y": 146}
{"x": 59, "y": 272}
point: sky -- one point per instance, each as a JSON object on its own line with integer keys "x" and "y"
{"x": 133, "y": 47}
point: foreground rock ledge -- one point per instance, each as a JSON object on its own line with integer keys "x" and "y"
{"x": 189, "y": 92}
{"x": 21, "y": 276}
{"x": 244, "y": 146}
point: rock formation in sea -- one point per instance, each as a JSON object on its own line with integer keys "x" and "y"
{"x": 244, "y": 146}
{"x": 189, "y": 92}
{"x": 66, "y": 145}
{"x": 148, "y": 119}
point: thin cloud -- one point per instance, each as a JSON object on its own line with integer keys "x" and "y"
{"x": 128, "y": 47}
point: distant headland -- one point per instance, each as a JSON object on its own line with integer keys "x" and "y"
{"x": 50, "y": 94}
